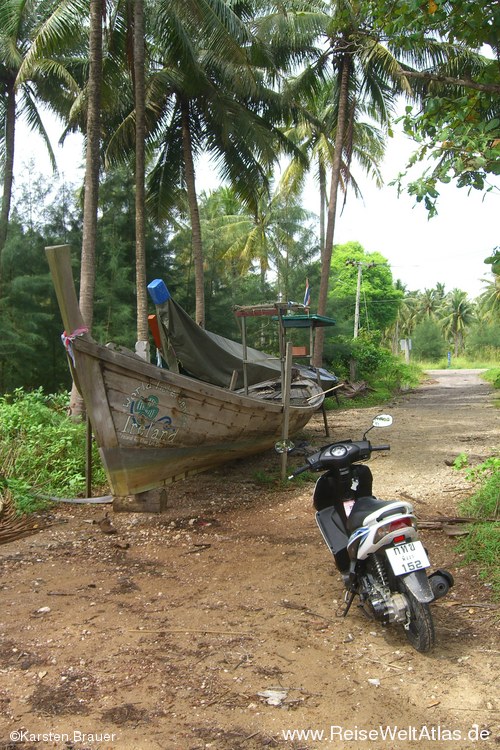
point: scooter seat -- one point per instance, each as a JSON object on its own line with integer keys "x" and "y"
{"x": 364, "y": 506}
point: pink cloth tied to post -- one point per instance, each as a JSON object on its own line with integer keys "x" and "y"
{"x": 67, "y": 338}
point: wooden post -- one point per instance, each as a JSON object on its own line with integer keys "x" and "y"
{"x": 283, "y": 349}
{"x": 234, "y": 380}
{"x": 88, "y": 459}
{"x": 286, "y": 387}
{"x": 325, "y": 418}
{"x": 244, "y": 343}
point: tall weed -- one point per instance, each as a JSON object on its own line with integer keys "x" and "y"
{"x": 482, "y": 544}
{"x": 42, "y": 452}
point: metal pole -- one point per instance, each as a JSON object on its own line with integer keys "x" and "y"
{"x": 285, "y": 391}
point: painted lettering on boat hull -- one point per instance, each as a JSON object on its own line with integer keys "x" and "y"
{"x": 144, "y": 421}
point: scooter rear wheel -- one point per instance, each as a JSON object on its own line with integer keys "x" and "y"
{"x": 420, "y": 630}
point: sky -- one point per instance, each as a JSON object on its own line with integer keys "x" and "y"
{"x": 449, "y": 248}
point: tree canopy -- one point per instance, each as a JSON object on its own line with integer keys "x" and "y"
{"x": 249, "y": 84}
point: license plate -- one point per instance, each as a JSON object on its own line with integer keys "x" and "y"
{"x": 406, "y": 558}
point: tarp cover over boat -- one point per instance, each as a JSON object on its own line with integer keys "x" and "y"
{"x": 206, "y": 355}
{"x": 210, "y": 357}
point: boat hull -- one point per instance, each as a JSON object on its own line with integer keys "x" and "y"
{"x": 154, "y": 426}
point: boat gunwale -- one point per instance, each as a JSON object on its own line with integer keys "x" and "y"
{"x": 86, "y": 346}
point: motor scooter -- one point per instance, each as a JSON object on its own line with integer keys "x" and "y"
{"x": 374, "y": 542}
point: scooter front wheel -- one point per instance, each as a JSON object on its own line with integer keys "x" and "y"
{"x": 419, "y": 628}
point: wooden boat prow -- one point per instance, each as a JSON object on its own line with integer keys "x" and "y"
{"x": 154, "y": 426}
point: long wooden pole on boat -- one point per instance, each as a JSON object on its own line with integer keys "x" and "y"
{"x": 59, "y": 259}
{"x": 286, "y": 387}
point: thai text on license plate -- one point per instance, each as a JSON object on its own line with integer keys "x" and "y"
{"x": 406, "y": 558}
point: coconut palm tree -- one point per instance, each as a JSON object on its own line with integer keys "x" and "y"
{"x": 489, "y": 299}
{"x": 30, "y": 33}
{"x": 209, "y": 97}
{"x": 174, "y": 80}
{"x": 363, "y": 73}
{"x": 430, "y": 303}
{"x": 140, "y": 177}
{"x": 238, "y": 242}
{"x": 315, "y": 132}
{"x": 92, "y": 163}
{"x": 269, "y": 237}
{"x": 406, "y": 319}
{"x": 91, "y": 187}
{"x": 458, "y": 315}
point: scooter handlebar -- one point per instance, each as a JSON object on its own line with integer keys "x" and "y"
{"x": 319, "y": 462}
{"x": 300, "y": 470}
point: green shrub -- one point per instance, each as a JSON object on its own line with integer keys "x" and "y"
{"x": 396, "y": 374}
{"x": 493, "y": 377}
{"x": 42, "y": 452}
{"x": 385, "y": 373}
{"x": 427, "y": 340}
{"x": 482, "y": 544}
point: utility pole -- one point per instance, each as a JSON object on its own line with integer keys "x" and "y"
{"x": 360, "y": 265}
{"x": 356, "y": 309}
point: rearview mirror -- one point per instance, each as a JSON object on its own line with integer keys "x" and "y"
{"x": 382, "y": 420}
{"x": 284, "y": 446}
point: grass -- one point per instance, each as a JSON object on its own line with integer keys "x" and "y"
{"x": 458, "y": 363}
{"x": 482, "y": 547}
{"x": 493, "y": 377}
{"x": 482, "y": 544}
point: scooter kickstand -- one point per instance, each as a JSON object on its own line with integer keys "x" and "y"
{"x": 349, "y": 601}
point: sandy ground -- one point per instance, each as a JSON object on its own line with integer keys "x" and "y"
{"x": 167, "y": 634}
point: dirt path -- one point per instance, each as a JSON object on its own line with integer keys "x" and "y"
{"x": 163, "y": 635}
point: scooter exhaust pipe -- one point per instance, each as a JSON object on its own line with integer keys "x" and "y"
{"x": 441, "y": 581}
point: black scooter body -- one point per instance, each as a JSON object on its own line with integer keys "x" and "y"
{"x": 333, "y": 489}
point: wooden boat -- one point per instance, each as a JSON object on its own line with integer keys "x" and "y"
{"x": 154, "y": 426}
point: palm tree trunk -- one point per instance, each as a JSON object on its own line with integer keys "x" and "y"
{"x": 142, "y": 346}
{"x": 194, "y": 214}
{"x": 91, "y": 195}
{"x": 322, "y": 198}
{"x": 8, "y": 171}
{"x": 345, "y": 68}
{"x": 87, "y": 275}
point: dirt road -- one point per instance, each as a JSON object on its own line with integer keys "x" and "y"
{"x": 167, "y": 634}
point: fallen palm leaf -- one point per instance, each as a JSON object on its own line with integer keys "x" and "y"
{"x": 14, "y": 526}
